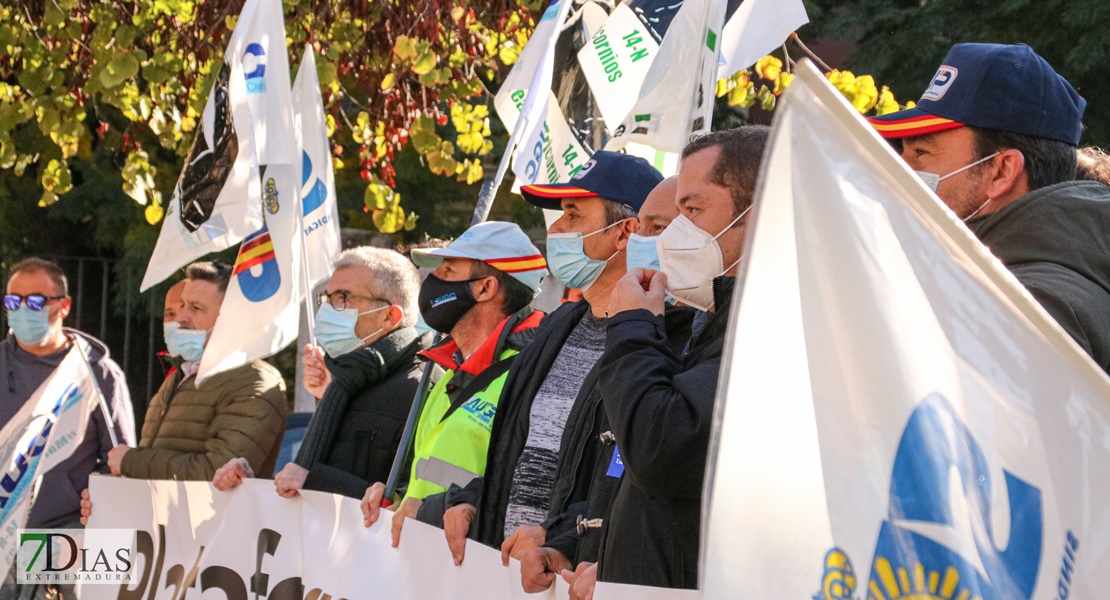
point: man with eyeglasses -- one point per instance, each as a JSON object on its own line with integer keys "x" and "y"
{"x": 365, "y": 383}
{"x": 36, "y": 301}
{"x": 480, "y": 293}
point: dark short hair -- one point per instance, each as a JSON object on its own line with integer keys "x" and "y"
{"x": 1047, "y": 162}
{"x": 211, "y": 271}
{"x": 617, "y": 211}
{"x": 41, "y": 265}
{"x": 516, "y": 294}
{"x": 737, "y": 165}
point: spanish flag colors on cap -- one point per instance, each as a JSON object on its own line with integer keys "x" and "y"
{"x": 503, "y": 246}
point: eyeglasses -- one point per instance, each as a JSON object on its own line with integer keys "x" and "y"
{"x": 338, "y": 300}
{"x": 35, "y": 302}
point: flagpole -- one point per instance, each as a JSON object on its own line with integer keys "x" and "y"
{"x": 489, "y": 191}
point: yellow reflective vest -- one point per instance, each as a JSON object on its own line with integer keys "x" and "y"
{"x": 453, "y": 450}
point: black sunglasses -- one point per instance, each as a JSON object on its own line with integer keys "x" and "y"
{"x": 35, "y": 302}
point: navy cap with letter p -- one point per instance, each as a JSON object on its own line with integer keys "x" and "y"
{"x": 619, "y": 177}
{"x": 992, "y": 86}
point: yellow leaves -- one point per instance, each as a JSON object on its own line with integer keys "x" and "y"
{"x": 56, "y": 180}
{"x": 425, "y": 60}
{"x": 782, "y": 82}
{"x": 441, "y": 161}
{"x": 404, "y": 47}
{"x": 387, "y": 214}
{"x": 422, "y": 135}
{"x": 886, "y": 104}
{"x": 472, "y": 124}
{"x": 860, "y": 91}
{"x": 154, "y": 213}
{"x": 768, "y": 67}
{"x": 387, "y": 82}
{"x": 470, "y": 171}
{"x": 509, "y": 53}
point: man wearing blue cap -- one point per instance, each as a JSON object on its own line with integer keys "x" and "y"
{"x": 542, "y": 404}
{"x": 995, "y": 136}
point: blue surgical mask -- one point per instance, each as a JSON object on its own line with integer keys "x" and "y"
{"x": 189, "y": 343}
{"x": 566, "y": 257}
{"x": 169, "y": 331}
{"x": 642, "y": 253}
{"x": 335, "y": 329}
{"x": 29, "y": 326}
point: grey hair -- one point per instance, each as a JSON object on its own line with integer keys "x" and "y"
{"x": 394, "y": 280}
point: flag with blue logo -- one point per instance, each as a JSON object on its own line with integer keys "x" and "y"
{"x": 246, "y": 123}
{"x": 898, "y": 417}
{"x": 45, "y": 432}
{"x": 259, "y": 315}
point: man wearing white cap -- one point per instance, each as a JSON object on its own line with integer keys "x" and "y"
{"x": 480, "y": 294}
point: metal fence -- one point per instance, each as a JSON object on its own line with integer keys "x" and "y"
{"x": 106, "y": 305}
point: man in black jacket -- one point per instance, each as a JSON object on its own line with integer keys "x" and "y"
{"x": 995, "y": 136}
{"x": 586, "y": 250}
{"x": 365, "y": 325}
{"x": 660, "y": 402}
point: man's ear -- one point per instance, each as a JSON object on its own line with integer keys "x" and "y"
{"x": 626, "y": 229}
{"x": 64, "y": 306}
{"x": 485, "y": 289}
{"x": 393, "y": 317}
{"x": 1009, "y": 176}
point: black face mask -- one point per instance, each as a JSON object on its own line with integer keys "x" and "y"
{"x": 443, "y": 303}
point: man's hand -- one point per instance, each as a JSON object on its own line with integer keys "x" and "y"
{"x": 86, "y": 506}
{"x": 290, "y": 480}
{"x": 582, "y": 581}
{"x": 639, "y": 288}
{"x": 538, "y": 567}
{"x": 407, "y": 510}
{"x": 316, "y": 374}
{"x": 522, "y": 540}
{"x": 232, "y": 474}
{"x": 372, "y": 503}
{"x": 115, "y": 458}
{"x": 456, "y": 526}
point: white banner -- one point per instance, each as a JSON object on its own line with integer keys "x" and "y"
{"x": 901, "y": 419}
{"x": 250, "y": 543}
{"x": 259, "y": 315}
{"x": 45, "y": 432}
{"x": 756, "y": 29}
{"x": 257, "y": 47}
{"x": 616, "y": 60}
{"x": 676, "y": 98}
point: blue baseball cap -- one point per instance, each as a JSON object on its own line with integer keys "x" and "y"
{"x": 612, "y": 175}
{"x": 992, "y": 86}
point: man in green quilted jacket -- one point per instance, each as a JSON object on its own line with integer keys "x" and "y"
{"x": 191, "y": 431}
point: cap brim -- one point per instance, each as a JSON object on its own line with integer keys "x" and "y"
{"x": 433, "y": 258}
{"x": 909, "y": 123}
{"x": 551, "y": 196}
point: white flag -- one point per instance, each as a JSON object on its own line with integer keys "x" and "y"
{"x": 320, "y": 208}
{"x": 757, "y": 29}
{"x": 257, "y": 46}
{"x": 246, "y": 123}
{"x": 676, "y": 98}
{"x": 900, "y": 418}
{"x": 259, "y": 315}
{"x": 45, "y": 432}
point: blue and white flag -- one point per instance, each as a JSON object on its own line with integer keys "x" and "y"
{"x": 898, "y": 417}
{"x": 246, "y": 123}
{"x": 45, "y": 432}
{"x": 259, "y": 315}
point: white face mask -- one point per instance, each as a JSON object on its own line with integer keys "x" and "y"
{"x": 692, "y": 258}
{"x": 932, "y": 180}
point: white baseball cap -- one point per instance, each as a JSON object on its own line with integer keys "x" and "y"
{"x": 503, "y": 246}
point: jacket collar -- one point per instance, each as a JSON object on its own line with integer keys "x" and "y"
{"x": 508, "y": 333}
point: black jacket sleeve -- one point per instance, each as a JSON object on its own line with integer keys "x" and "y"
{"x": 659, "y": 412}
{"x": 323, "y": 478}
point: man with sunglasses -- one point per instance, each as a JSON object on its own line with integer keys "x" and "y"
{"x": 36, "y": 301}
{"x": 365, "y": 383}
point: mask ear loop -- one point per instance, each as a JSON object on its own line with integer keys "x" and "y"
{"x": 380, "y": 329}
{"x": 730, "y": 225}
{"x": 609, "y": 226}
